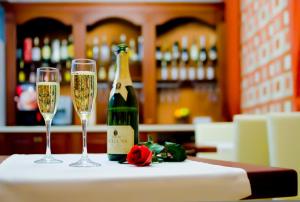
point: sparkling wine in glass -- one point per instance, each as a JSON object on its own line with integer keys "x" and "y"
{"x": 47, "y": 86}
{"x": 84, "y": 90}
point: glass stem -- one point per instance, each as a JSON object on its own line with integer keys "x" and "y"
{"x": 48, "y": 137}
{"x": 84, "y": 141}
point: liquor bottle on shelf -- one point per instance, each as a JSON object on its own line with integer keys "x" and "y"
{"x": 210, "y": 72}
{"x": 70, "y": 47}
{"x": 64, "y": 50}
{"x": 158, "y": 56}
{"x": 175, "y": 51}
{"x": 184, "y": 59}
{"x": 89, "y": 51}
{"x": 164, "y": 70}
{"x": 212, "y": 61}
{"x": 213, "y": 55}
{"x": 104, "y": 52}
{"x": 203, "y": 52}
{"x": 27, "y": 54}
{"x": 95, "y": 49}
{"x": 174, "y": 70}
{"x": 102, "y": 72}
{"x": 122, "y": 130}
{"x": 200, "y": 71}
{"x": 36, "y": 51}
{"x": 140, "y": 48}
{"x": 55, "y": 56}
{"x": 133, "y": 56}
{"x": 32, "y": 75}
{"x": 193, "y": 61}
{"x": 111, "y": 70}
{"x": 19, "y": 54}
{"x": 175, "y": 60}
{"x": 167, "y": 56}
{"x": 46, "y": 52}
{"x": 21, "y": 75}
{"x": 67, "y": 72}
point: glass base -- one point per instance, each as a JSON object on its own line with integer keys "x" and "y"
{"x": 48, "y": 159}
{"x": 85, "y": 162}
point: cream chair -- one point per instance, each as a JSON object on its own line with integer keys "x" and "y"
{"x": 251, "y": 144}
{"x": 284, "y": 141}
{"x": 215, "y": 134}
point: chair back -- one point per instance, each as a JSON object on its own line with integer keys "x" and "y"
{"x": 251, "y": 143}
{"x": 218, "y": 134}
{"x": 284, "y": 141}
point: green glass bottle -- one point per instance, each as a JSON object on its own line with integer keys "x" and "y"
{"x": 122, "y": 120}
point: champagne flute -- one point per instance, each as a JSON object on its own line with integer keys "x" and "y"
{"x": 84, "y": 90}
{"x": 47, "y": 85}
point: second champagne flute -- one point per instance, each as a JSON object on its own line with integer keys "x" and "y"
{"x": 84, "y": 90}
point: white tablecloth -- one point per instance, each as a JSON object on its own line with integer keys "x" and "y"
{"x": 23, "y": 180}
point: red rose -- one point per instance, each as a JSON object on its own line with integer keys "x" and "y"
{"x": 139, "y": 156}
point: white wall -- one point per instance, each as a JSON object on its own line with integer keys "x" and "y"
{"x": 2, "y": 70}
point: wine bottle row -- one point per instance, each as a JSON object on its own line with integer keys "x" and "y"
{"x": 187, "y": 63}
{"x": 42, "y": 52}
{"x": 104, "y": 54}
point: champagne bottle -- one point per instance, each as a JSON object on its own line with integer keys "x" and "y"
{"x": 122, "y": 130}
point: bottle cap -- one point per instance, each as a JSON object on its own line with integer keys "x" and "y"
{"x": 122, "y": 48}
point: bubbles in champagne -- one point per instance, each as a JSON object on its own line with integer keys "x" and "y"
{"x": 47, "y": 97}
{"x": 84, "y": 89}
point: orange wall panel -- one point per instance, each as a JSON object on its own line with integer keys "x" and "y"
{"x": 266, "y": 56}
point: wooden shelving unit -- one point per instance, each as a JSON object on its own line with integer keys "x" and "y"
{"x": 86, "y": 20}
{"x": 152, "y": 21}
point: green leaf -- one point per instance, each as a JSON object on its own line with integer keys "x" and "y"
{"x": 156, "y": 148}
{"x": 176, "y": 151}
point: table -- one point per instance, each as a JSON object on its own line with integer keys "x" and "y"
{"x": 266, "y": 182}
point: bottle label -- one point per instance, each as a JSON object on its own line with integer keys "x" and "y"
{"x": 119, "y": 86}
{"x": 120, "y": 139}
